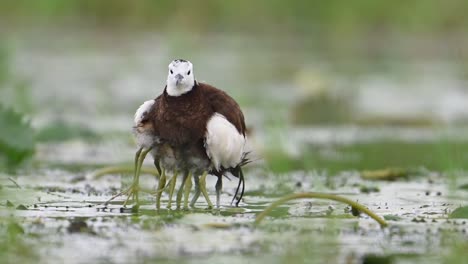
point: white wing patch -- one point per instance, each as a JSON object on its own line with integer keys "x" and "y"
{"x": 143, "y": 135}
{"x": 142, "y": 110}
{"x": 224, "y": 144}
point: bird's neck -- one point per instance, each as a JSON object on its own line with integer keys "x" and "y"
{"x": 175, "y": 91}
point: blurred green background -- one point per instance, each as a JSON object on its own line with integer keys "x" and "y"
{"x": 328, "y": 18}
{"x": 78, "y": 69}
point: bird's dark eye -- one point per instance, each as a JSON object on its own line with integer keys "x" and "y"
{"x": 188, "y": 73}
{"x": 171, "y": 72}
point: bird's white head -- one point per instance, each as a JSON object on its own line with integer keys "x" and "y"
{"x": 180, "y": 78}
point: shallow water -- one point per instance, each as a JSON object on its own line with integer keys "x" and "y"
{"x": 417, "y": 211}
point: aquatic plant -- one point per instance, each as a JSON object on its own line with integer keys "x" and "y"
{"x": 326, "y": 196}
{"x": 16, "y": 138}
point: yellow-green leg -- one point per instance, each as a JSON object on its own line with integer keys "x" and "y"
{"x": 160, "y": 189}
{"x": 132, "y": 191}
{"x": 196, "y": 180}
{"x": 203, "y": 189}
{"x": 181, "y": 189}
{"x": 137, "y": 158}
{"x": 187, "y": 189}
{"x": 136, "y": 182}
{"x": 129, "y": 191}
{"x": 172, "y": 184}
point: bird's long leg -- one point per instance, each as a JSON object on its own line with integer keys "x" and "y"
{"x": 157, "y": 165}
{"x": 203, "y": 189}
{"x": 159, "y": 190}
{"x": 137, "y": 157}
{"x": 219, "y": 187}
{"x": 241, "y": 178}
{"x": 237, "y": 191}
{"x": 172, "y": 184}
{"x": 132, "y": 191}
{"x": 237, "y": 174}
{"x": 197, "y": 190}
{"x": 141, "y": 154}
{"x": 181, "y": 189}
{"x": 187, "y": 189}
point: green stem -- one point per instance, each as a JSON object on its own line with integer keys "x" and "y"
{"x": 337, "y": 198}
{"x": 14, "y": 182}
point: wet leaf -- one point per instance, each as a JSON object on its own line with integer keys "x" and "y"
{"x": 390, "y": 174}
{"x": 369, "y": 189}
{"x": 16, "y": 197}
{"x": 21, "y": 207}
{"x": 16, "y": 138}
{"x": 392, "y": 217}
{"x": 460, "y": 212}
{"x": 218, "y": 225}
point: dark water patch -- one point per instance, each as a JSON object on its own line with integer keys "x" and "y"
{"x": 79, "y": 226}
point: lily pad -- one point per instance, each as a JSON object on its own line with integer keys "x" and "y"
{"x": 14, "y": 197}
{"x": 460, "y": 212}
{"x": 390, "y": 174}
{"x": 16, "y": 138}
{"x": 21, "y": 207}
{"x": 392, "y": 217}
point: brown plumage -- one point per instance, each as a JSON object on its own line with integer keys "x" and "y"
{"x": 185, "y": 117}
{"x": 181, "y": 121}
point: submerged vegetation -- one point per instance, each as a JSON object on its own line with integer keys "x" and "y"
{"x": 356, "y": 206}
{"x": 14, "y": 246}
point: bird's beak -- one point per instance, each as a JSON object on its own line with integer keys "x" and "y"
{"x": 179, "y": 78}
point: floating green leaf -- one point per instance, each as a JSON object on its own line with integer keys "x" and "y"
{"x": 390, "y": 174}
{"x": 14, "y": 247}
{"x": 390, "y": 217}
{"x": 460, "y": 212}
{"x": 16, "y": 138}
